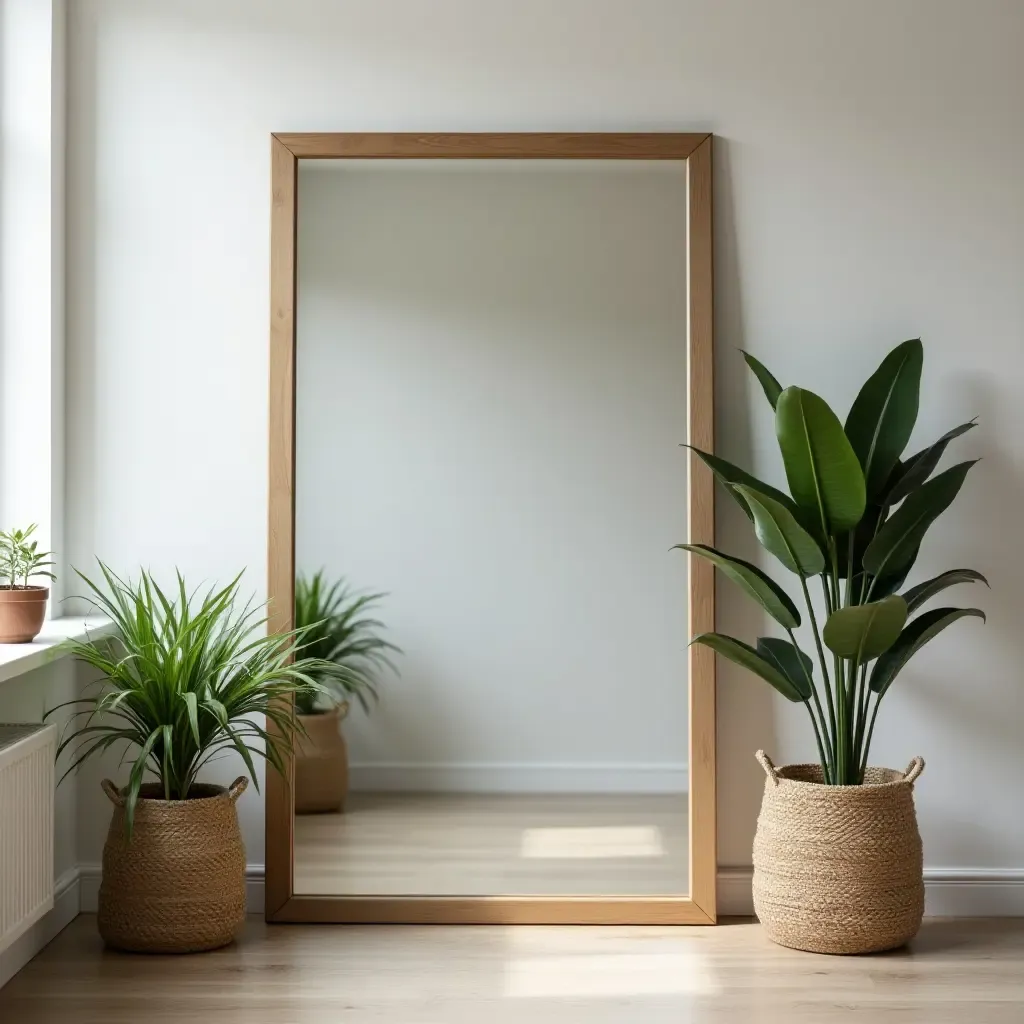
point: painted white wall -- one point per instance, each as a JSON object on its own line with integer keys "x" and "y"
{"x": 491, "y": 394}
{"x": 868, "y": 189}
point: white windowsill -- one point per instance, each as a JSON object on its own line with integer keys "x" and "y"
{"x": 17, "y": 659}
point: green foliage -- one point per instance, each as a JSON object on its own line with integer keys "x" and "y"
{"x": 182, "y": 679}
{"x": 857, "y": 518}
{"x": 335, "y": 629}
{"x": 21, "y": 559}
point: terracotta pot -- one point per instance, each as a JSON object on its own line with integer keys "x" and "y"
{"x": 178, "y": 885}
{"x": 321, "y": 763}
{"x": 837, "y": 869}
{"x": 22, "y": 611}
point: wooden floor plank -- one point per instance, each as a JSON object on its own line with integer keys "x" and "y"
{"x": 955, "y": 972}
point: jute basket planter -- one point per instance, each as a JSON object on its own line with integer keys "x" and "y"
{"x": 837, "y": 869}
{"x": 178, "y": 886}
{"x": 321, "y": 762}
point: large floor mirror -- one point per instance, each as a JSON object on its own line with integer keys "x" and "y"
{"x": 487, "y": 355}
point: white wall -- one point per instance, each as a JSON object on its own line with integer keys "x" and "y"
{"x": 869, "y": 189}
{"x": 491, "y": 394}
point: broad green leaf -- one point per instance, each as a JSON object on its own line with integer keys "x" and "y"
{"x": 730, "y": 475}
{"x": 772, "y": 388}
{"x": 745, "y": 655}
{"x": 916, "y": 596}
{"x": 883, "y": 415}
{"x": 779, "y": 532}
{"x": 911, "y": 640}
{"x": 908, "y": 476}
{"x": 824, "y": 474}
{"x": 896, "y": 543}
{"x": 796, "y": 666}
{"x": 761, "y": 587}
{"x": 863, "y": 631}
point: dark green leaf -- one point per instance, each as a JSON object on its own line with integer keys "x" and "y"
{"x": 911, "y": 640}
{"x": 779, "y": 532}
{"x": 916, "y": 596}
{"x": 761, "y": 587}
{"x": 796, "y": 666}
{"x": 896, "y": 543}
{"x": 908, "y": 476}
{"x": 731, "y": 475}
{"x": 883, "y": 415}
{"x": 824, "y": 474}
{"x": 745, "y": 655}
{"x": 772, "y": 388}
{"x": 861, "y": 632}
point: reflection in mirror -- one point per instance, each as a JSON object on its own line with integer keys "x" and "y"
{"x": 490, "y": 394}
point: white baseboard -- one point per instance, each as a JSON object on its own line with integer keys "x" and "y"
{"x": 519, "y": 778}
{"x": 66, "y": 907}
{"x": 90, "y": 875}
{"x": 949, "y": 892}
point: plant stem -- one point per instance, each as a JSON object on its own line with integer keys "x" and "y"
{"x": 826, "y": 751}
{"x": 849, "y": 570}
{"x": 825, "y": 767}
{"x": 821, "y": 657}
{"x": 867, "y": 741}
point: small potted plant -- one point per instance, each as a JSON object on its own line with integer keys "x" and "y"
{"x": 22, "y": 604}
{"x": 334, "y": 629}
{"x": 837, "y": 854}
{"x": 183, "y": 679}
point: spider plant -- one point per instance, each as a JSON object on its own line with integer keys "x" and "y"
{"x": 183, "y": 678}
{"x": 333, "y": 627}
{"x": 855, "y": 518}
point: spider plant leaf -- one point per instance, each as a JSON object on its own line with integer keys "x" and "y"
{"x": 757, "y": 584}
{"x": 916, "y": 596}
{"x": 883, "y": 414}
{"x": 824, "y": 474}
{"x": 861, "y": 632}
{"x": 908, "y": 476}
{"x": 729, "y": 476}
{"x": 796, "y": 666}
{"x": 771, "y": 387}
{"x": 916, "y": 634}
{"x": 744, "y": 655}
{"x": 192, "y": 705}
{"x": 779, "y": 533}
{"x": 900, "y": 536}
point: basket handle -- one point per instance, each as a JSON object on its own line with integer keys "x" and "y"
{"x": 237, "y": 788}
{"x": 769, "y": 768}
{"x": 112, "y": 792}
{"x": 914, "y": 769}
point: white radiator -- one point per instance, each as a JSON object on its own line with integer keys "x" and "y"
{"x": 26, "y": 827}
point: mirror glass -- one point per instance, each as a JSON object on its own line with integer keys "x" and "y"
{"x": 490, "y": 398}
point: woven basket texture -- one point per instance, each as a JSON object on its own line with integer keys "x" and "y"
{"x": 838, "y": 869}
{"x": 178, "y": 886}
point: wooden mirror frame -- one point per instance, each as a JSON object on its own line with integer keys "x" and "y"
{"x": 699, "y": 906}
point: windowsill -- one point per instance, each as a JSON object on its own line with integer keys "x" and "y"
{"x": 17, "y": 659}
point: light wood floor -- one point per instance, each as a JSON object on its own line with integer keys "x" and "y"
{"x": 955, "y": 972}
{"x": 450, "y": 844}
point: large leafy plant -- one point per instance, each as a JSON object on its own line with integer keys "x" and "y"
{"x": 855, "y": 517}
{"x": 184, "y": 677}
{"x": 335, "y": 628}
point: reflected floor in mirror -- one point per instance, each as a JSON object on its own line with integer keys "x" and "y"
{"x": 464, "y": 844}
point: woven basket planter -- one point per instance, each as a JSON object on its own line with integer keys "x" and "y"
{"x": 837, "y": 869}
{"x": 321, "y": 762}
{"x": 178, "y": 886}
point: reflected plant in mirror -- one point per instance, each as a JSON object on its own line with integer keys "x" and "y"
{"x": 855, "y": 518}
{"x": 336, "y": 627}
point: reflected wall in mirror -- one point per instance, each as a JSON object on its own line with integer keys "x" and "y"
{"x": 492, "y": 384}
